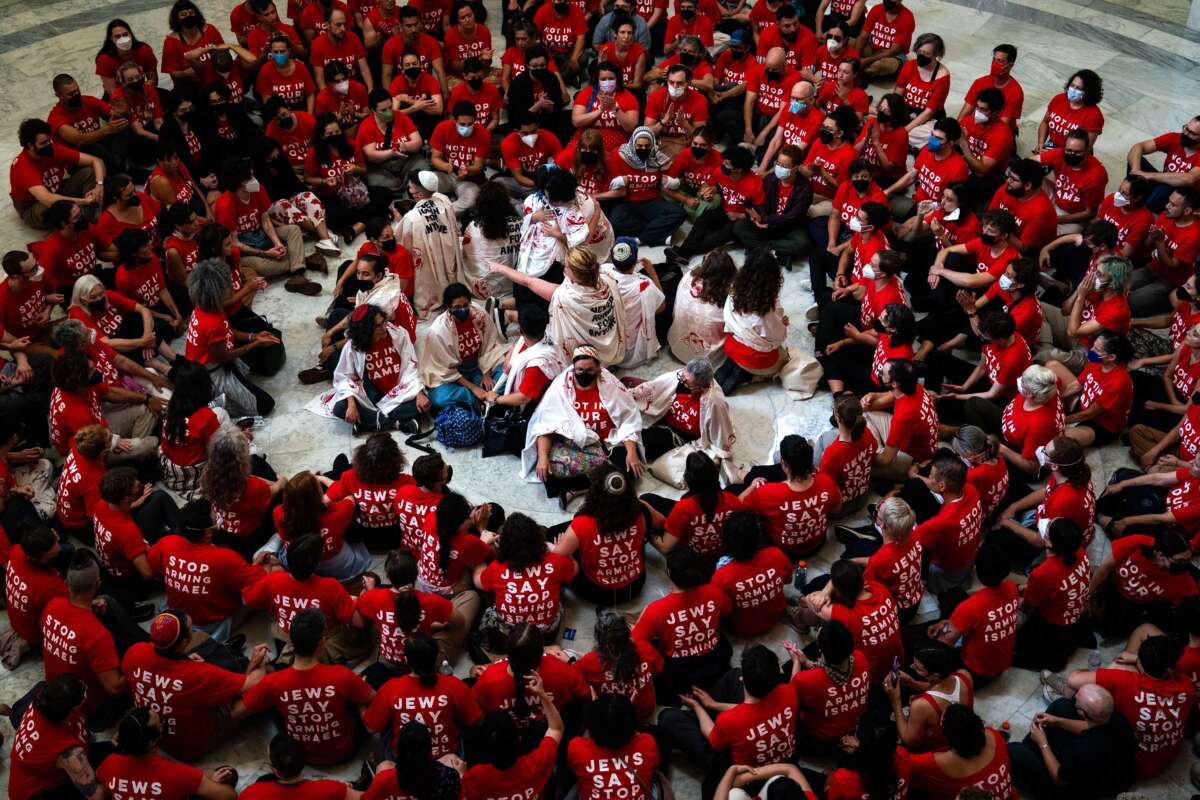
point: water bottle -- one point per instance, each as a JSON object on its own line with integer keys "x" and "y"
{"x": 1095, "y": 660}
{"x": 800, "y": 576}
{"x": 446, "y": 669}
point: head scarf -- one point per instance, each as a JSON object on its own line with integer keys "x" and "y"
{"x": 657, "y": 160}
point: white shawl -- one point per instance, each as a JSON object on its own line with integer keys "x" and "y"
{"x": 386, "y": 295}
{"x": 765, "y": 334}
{"x": 351, "y": 368}
{"x": 641, "y": 299}
{"x": 654, "y": 398}
{"x": 542, "y": 355}
{"x": 556, "y": 416}
{"x": 595, "y": 317}
{"x": 439, "y": 359}
{"x": 539, "y": 250}
{"x": 430, "y": 232}
{"x": 478, "y": 251}
{"x": 698, "y": 328}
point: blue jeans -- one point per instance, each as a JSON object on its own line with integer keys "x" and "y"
{"x": 455, "y": 394}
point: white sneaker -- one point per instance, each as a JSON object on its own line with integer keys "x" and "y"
{"x": 813, "y": 314}
{"x": 328, "y": 246}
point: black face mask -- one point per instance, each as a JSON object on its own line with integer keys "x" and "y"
{"x": 412, "y": 73}
{"x": 287, "y": 123}
{"x": 1017, "y": 192}
{"x": 738, "y": 53}
{"x": 879, "y": 327}
{"x": 135, "y": 86}
{"x": 475, "y": 83}
{"x": 98, "y": 306}
{"x": 218, "y": 108}
{"x": 725, "y": 170}
{"x": 826, "y": 136}
{"x": 561, "y": 8}
{"x": 699, "y": 153}
{"x": 774, "y": 74}
{"x": 924, "y": 60}
{"x": 133, "y": 201}
{"x": 45, "y": 152}
{"x": 589, "y": 157}
{"x": 860, "y": 185}
{"x": 988, "y": 238}
{"x": 541, "y": 73}
{"x": 1178, "y": 567}
{"x": 891, "y": 5}
{"x": 388, "y": 245}
{"x": 80, "y": 224}
{"x": 687, "y": 59}
{"x": 585, "y": 379}
{"x": 1073, "y": 159}
{"x": 687, "y": 13}
{"x": 1183, "y": 294}
{"x": 145, "y": 259}
{"x": 333, "y": 137}
{"x": 682, "y": 388}
{"x": 74, "y": 101}
{"x": 642, "y": 153}
{"x": 189, "y": 23}
{"x": 1186, "y": 141}
{"x": 186, "y": 116}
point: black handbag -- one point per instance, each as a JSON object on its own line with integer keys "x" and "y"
{"x": 504, "y": 431}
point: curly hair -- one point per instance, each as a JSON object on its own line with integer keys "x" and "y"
{"x": 522, "y": 543}
{"x": 209, "y": 284}
{"x": 228, "y": 467}
{"x": 378, "y": 460}
{"x": 611, "y": 499}
{"x": 361, "y": 331}
{"x": 494, "y": 211}
{"x": 714, "y": 276}
{"x": 193, "y": 390}
{"x": 755, "y": 289}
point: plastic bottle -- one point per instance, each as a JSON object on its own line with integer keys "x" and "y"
{"x": 800, "y": 576}
{"x": 1095, "y": 660}
{"x": 446, "y": 669}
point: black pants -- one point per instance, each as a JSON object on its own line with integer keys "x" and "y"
{"x": 711, "y": 229}
{"x": 773, "y": 473}
{"x": 157, "y": 516}
{"x": 681, "y": 673}
{"x": 659, "y": 439}
{"x": 835, "y": 315}
{"x": 524, "y": 296}
{"x": 1044, "y": 645}
{"x": 339, "y": 215}
{"x": 920, "y": 499}
{"x": 822, "y": 269}
{"x": 371, "y": 419}
{"x": 683, "y": 730}
{"x": 983, "y": 414}
{"x": 1148, "y": 386}
{"x": 25, "y": 406}
{"x": 850, "y": 364}
{"x": 601, "y": 596}
{"x": 265, "y": 361}
{"x": 947, "y": 318}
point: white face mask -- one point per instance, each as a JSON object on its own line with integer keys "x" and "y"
{"x": 952, "y": 216}
{"x": 1042, "y": 458}
{"x": 855, "y": 224}
{"x": 833, "y": 45}
{"x": 1020, "y": 387}
{"x": 1006, "y": 283}
{"x": 980, "y": 117}
{"x": 1120, "y": 200}
{"x": 529, "y": 139}
{"x": 939, "y": 497}
{"x": 342, "y": 87}
{"x": 1044, "y": 528}
{"x": 251, "y": 186}
{"x": 868, "y": 272}
{"x": 608, "y": 85}
{"x": 465, "y": 130}
{"x": 1099, "y": 284}
{"x": 123, "y": 42}
{"x": 676, "y": 91}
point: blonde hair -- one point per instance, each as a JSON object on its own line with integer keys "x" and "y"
{"x": 1038, "y": 383}
{"x": 897, "y": 518}
{"x": 584, "y": 266}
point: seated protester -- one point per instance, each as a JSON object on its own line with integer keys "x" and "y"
{"x": 612, "y": 754}
{"x": 848, "y": 450}
{"x": 641, "y": 211}
{"x": 192, "y": 723}
{"x": 1100, "y": 302}
{"x": 1144, "y": 579}
{"x": 399, "y": 614}
{"x": 1004, "y": 57}
{"x": 865, "y": 608}
{"x": 185, "y": 559}
{"x": 755, "y": 325}
{"x": 1071, "y": 255}
{"x": 306, "y": 509}
{"x": 674, "y": 111}
{"x": 936, "y": 673}
{"x": 215, "y": 344}
{"x": 524, "y": 150}
{"x": 286, "y": 757}
{"x": 135, "y": 759}
{"x": 1179, "y": 158}
{"x": 977, "y": 757}
{"x": 44, "y": 173}
{"x": 140, "y": 277}
{"x": 1077, "y": 107}
{"x": 881, "y": 765}
{"x": 1066, "y": 742}
{"x": 885, "y": 37}
{"x": 698, "y": 317}
{"x": 986, "y": 470}
{"x": 79, "y": 484}
{"x": 1103, "y": 392}
{"x": 972, "y": 266}
{"x": 389, "y": 137}
{"x": 294, "y": 202}
{"x": 827, "y": 161}
{"x": 696, "y": 653}
{"x": 912, "y": 427}
{"x": 373, "y": 480}
{"x": 501, "y": 769}
{"x": 799, "y": 124}
{"x": 754, "y": 577}
{"x": 894, "y": 334}
{"x": 1172, "y": 490}
{"x": 987, "y": 143}
{"x": 986, "y": 621}
{"x": 609, "y": 535}
{"x": 1054, "y": 599}
{"x": 74, "y": 247}
{"x": 1152, "y": 685}
{"x": 539, "y": 90}
{"x": 284, "y": 75}
{"x": 242, "y": 490}
{"x": 622, "y": 46}
{"x": 739, "y": 189}
{"x": 844, "y": 261}
{"x": 1028, "y": 423}
{"x": 526, "y": 583}
{"x": 775, "y": 220}
{"x": 33, "y": 581}
{"x": 1161, "y": 399}
{"x": 121, "y": 540}
{"x": 883, "y": 140}
{"x": 994, "y": 379}
{"x": 563, "y": 30}
{"x": 461, "y": 355}
{"x": 431, "y": 228}
{"x": 937, "y": 166}
{"x": 330, "y": 735}
{"x": 376, "y": 383}
{"x": 606, "y": 27}
{"x": 1173, "y": 242}
{"x": 87, "y": 123}
{"x": 181, "y": 251}
{"x": 843, "y": 90}
{"x": 51, "y": 742}
{"x": 697, "y": 518}
{"x": 846, "y": 327}
{"x": 685, "y": 411}
{"x": 851, "y": 196}
{"x": 382, "y": 241}
{"x": 641, "y": 292}
{"x": 480, "y": 93}
{"x": 215, "y": 241}
{"x": 585, "y": 413}
{"x": 530, "y": 365}
{"x": 172, "y": 184}
{"x": 832, "y": 690}
{"x": 120, "y": 325}
{"x": 336, "y": 171}
{"x": 128, "y": 209}
{"x": 1022, "y": 196}
{"x": 1126, "y": 208}
{"x": 620, "y": 665}
{"x": 422, "y": 695}
{"x": 508, "y": 685}
{"x": 334, "y": 42}
{"x": 1015, "y": 291}
{"x": 768, "y": 87}
{"x": 459, "y": 147}
{"x": 1079, "y": 181}
{"x": 231, "y": 126}
{"x": 25, "y": 299}
{"x": 1149, "y": 445}
{"x": 343, "y": 96}
{"x": 951, "y": 538}
{"x": 935, "y": 226}
{"x": 924, "y": 83}
{"x": 795, "y": 510}
{"x": 455, "y": 541}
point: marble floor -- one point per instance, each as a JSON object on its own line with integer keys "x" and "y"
{"x": 1145, "y": 94}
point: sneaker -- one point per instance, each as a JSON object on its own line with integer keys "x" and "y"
{"x": 327, "y": 246}
{"x": 496, "y": 312}
{"x": 302, "y": 285}
{"x": 317, "y": 263}
{"x": 314, "y": 375}
{"x": 813, "y": 314}
{"x": 1054, "y": 686}
{"x": 322, "y": 322}
{"x": 408, "y": 426}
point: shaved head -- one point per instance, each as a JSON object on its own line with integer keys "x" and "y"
{"x": 1095, "y": 701}
{"x": 776, "y": 58}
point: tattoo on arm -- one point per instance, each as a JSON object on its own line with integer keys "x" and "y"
{"x": 74, "y": 762}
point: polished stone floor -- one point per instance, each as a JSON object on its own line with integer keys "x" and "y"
{"x": 1149, "y": 77}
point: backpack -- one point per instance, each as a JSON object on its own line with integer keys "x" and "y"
{"x": 459, "y": 426}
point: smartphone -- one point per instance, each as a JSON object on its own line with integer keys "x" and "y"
{"x": 895, "y": 669}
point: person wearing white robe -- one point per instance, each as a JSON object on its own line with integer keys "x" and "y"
{"x": 586, "y": 410}
{"x": 494, "y": 235}
{"x": 668, "y": 401}
{"x": 429, "y": 231}
{"x": 461, "y": 353}
{"x": 643, "y": 299}
{"x": 698, "y": 327}
{"x": 557, "y": 218}
{"x": 531, "y": 351}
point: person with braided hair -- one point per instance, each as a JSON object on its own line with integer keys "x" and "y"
{"x": 136, "y": 760}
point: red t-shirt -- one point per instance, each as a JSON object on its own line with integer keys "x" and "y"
{"x": 204, "y": 332}
{"x": 1183, "y": 242}
{"x": 921, "y": 94}
{"x": 1158, "y": 709}
{"x": 369, "y": 132}
{"x": 558, "y": 34}
{"x": 1113, "y": 390}
{"x": 294, "y": 88}
{"x": 187, "y": 695}
{"x": 427, "y": 48}
{"x": 995, "y": 777}
{"x": 282, "y": 596}
{"x": 460, "y": 151}
{"x": 876, "y": 628}
{"x": 467, "y": 551}
{"x": 845, "y": 783}
{"x": 1062, "y": 119}
{"x": 685, "y": 623}
{"x": 755, "y": 587}
{"x": 614, "y": 559}
{"x": 640, "y": 184}
{"x": 346, "y": 107}
{"x": 37, "y": 744}
{"x": 248, "y": 513}
{"x": 610, "y": 129}
{"x": 149, "y": 777}
{"x": 118, "y": 540}
{"x": 75, "y": 642}
{"x": 446, "y": 708}
{"x": 1142, "y": 581}
{"x": 240, "y": 217}
{"x": 800, "y": 130}
{"x": 933, "y": 174}
{"x": 66, "y": 260}
{"x": 1036, "y": 222}
{"x": 1060, "y": 591}
{"x": 379, "y": 606}
{"x": 294, "y": 141}
{"x": 737, "y": 196}
{"x": 897, "y": 567}
{"x": 308, "y": 789}
{"x": 78, "y": 488}
{"x": 90, "y": 117}
{"x": 29, "y": 171}
{"x": 348, "y": 51}
{"x": 1026, "y": 431}
{"x": 829, "y": 711}
{"x": 204, "y": 580}
{"x": 375, "y": 504}
{"x": 952, "y": 536}
{"x": 522, "y": 781}
{"x": 518, "y": 155}
{"x": 487, "y": 100}
{"x": 688, "y": 523}
{"x": 796, "y": 521}
{"x": 1014, "y": 95}
{"x": 770, "y": 95}
{"x": 692, "y": 107}
{"x": 331, "y": 526}
{"x": 993, "y": 139}
{"x": 21, "y": 312}
{"x": 835, "y": 160}
{"x": 28, "y": 588}
{"x": 895, "y": 147}
{"x": 914, "y": 425}
{"x": 605, "y": 773}
{"x": 849, "y": 465}
{"x": 69, "y": 412}
{"x": 991, "y": 483}
{"x": 639, "y": 690}
{"x": 759, "y": 733}
{"x": 531, "y": 594}
{"x": 1076, "y": 188}
{"x": 988, "y": 622}
{"x": 1132, "y": 223}
{"x": 1006, "y": 363}
{"x": 318, "y": 707}
{"x": 830, "y": 100}
{"x": 564, "y": 685}
{"x": 412, "y": 505}
{"x": 201, "y": 425}
{"x": 1111, "y": 312}
{"x": 884, "y": 33}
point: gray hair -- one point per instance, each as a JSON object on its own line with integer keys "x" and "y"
{"x": 83, "y": 287}
{"x": 939, "y": 47}
{"x": 1096, "y": 702}
{"x": 208, "y": 284}
{"x": 70, "y": 334}
{"x": 1038, "y": 383}
{"x": 701, "y": 370}
{"x": 896, "y": 517}
{"x": 695, "y": 41}
{"x": 228, "y": 467}
{"x": 972, "y": 441}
